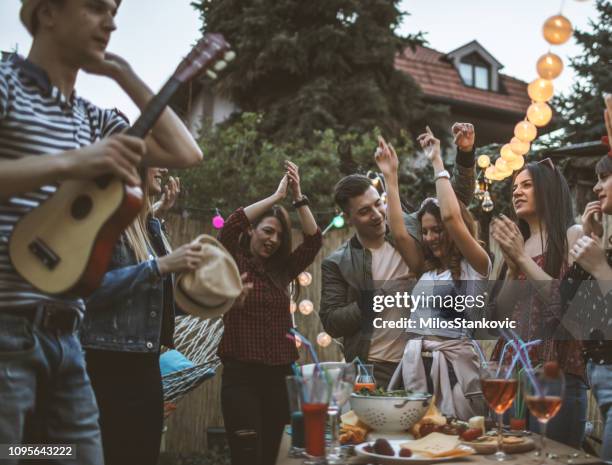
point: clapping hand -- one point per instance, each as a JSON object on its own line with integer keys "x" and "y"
{"x": 509, "y": 237}
{"x": 169, "y": 197}
{"x": 293, "y": 178}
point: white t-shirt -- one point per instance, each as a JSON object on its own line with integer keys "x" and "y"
{"x": 441, "y": 285}
{"x": 388, "y": 267}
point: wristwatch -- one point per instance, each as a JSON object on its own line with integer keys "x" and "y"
{"x": 301, "y": 202}
{"x": 442, "y": 174}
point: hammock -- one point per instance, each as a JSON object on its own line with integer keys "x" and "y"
{"x": 197, "y": 340}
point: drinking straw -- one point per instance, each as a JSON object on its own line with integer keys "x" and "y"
{"x": 481, "y": 354}
{"x": 308, "y": 344}
{"x": 294, "y": 367}
{"x": 360, "y": 363}
{"x": 516, "y": 357}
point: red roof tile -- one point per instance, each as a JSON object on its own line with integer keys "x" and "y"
{"x": 438, "y": 77}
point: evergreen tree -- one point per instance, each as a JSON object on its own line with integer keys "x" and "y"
{"x": 318, "y": 65}
{"x": 582, "y": 110}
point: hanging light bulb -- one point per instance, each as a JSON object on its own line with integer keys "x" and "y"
{"x": 517, "y": 164}
{"x": 306, "y": 307}
{"x": 338, "y": 221}
{"x": 502, "y": 168}
{"x": 539, "y": 113}
{"x": 525, "y": 131}
{"x": 292, "y": 306}
{"x": 478, "y": 192}
{"x": 218, "y": 220}
{"x": 507, "y": 154}
{"x": 549, "y": 66}
{"x": 304, "y": 278}
{"x": 324, "y": 339}
{"x": 487, "y": 203}
{"x": 518, "y": 146}
{"x": 557, "y": 30}
{"x": 540, "y": 90}
{"x": 484, "y": 161}
{"x": 490, "y": 173}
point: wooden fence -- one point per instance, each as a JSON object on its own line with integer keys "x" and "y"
{"x": 201, "y": 409}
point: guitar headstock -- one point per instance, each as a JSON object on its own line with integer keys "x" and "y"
{"x": 211, "y": 51}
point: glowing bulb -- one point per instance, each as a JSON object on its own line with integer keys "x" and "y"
{"x": 539, "y": 113}
{"x": 525, "y": 131}
{"x": 502, "y": 168}
{"x": 507, "y": 154}
{"x": 338, "y": 221}
{"x": 518, "y": 146}
{"x": 516, "y": 164}
{"x": 478, "y": 192}
{"x": 292, "y": 306}
{"x": 376, "y": 182}
{"x": 484, "y": 161}
{"x": 540, "y": 90}
{"x": 306, "y": 307}
{"x": 218, "y": 222}
{"x": 304, "y": 278}
{"x": 557, "y": 30}
{"x": 549, "y": 66}
{"x": 324, "y": 339}
{"x": 487, "y": 203}
{"x": 490, "y": 172}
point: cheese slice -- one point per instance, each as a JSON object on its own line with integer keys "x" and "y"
{"x": 433, "y": 444}
{"x": 349, "y": 418}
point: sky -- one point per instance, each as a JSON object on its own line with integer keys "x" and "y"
{"x": 154, "y": 38}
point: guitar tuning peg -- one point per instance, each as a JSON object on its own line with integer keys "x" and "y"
{"x": 211, "y": 74}
{"x": 229, "y": 56}
{"x": 220, "y": 65}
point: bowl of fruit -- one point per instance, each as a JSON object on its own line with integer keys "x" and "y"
{"x": 390, "y": 411}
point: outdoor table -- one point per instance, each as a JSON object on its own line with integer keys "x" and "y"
{"x": 561, "y": 450}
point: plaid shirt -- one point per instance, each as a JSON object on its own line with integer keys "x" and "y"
{"x": 256, "y": 331}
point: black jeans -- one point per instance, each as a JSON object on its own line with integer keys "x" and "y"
{"x": 129, "y": 392}
{"x": 255, "y": 409}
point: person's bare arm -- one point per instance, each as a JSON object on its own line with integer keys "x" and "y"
{"x": 169, "y": 144}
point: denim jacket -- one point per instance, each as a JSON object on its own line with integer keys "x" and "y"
{"x": 126, "y": 313}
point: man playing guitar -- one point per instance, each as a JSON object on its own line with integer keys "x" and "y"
{"x": 48, "y": 134}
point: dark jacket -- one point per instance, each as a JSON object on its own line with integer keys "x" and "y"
{"x": 347, "y": 287}
{"x": 133, "y": 304}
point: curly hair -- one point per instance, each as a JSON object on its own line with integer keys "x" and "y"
{"x": 451, "y": 251}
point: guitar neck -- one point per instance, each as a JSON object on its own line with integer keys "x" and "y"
{"x": 154, "y": 109}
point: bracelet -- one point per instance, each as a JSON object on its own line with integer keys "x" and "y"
{"x": 442, "y": 174}
{"x": 301, "y": 202}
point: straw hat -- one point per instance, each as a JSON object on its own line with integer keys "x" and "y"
{"x": 210, "y": 290}
{"x": 28, "y": 8}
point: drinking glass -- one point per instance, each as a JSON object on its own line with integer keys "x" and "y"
{"x": 315, "y": 394}
{"x": 343, "y": 380}
{"x": 365, "y": 378}
{"x": 499, "y": 386}
{"x": 544, "y": 388}
{"x": 297, "y": 417}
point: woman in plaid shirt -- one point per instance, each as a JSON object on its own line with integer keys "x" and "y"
{"x": 255, "y": 351}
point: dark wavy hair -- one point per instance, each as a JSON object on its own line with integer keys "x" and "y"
{"x": 554, "y": 211}
{"x": 451, "y": 250}
{"x": 275, "y": 264}
{"x": 604, "y": 165}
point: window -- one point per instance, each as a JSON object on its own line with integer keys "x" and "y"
{"x": 474, "y": 72}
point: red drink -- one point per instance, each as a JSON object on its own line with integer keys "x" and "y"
{"x": 499, "y": 393}
{"x": 315, "y": 417}
{"x": 369, "y": 386}
{"x": 543, "y": 408}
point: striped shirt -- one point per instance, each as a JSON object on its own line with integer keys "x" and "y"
{"x": 36, "y": 119}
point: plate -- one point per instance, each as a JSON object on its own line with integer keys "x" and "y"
{"x": 415, "y": 459}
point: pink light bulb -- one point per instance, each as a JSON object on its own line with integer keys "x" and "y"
{"x": 218, "y": 222}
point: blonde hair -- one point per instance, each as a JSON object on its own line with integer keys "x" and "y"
{"x": 137, "y": 235}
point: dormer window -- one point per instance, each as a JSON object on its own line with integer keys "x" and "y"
{"x": 475, "y": 71}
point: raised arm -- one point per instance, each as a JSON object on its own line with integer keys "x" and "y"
{"x": 464, "y": 175}
{"x": 450, "y": 210}
{"x": 408, "y": 247}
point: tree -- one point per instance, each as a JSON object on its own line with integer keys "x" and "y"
{"x": 582, "y": 110}
{"x": 313, "y": 65}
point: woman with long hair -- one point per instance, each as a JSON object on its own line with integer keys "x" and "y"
{"x": 128, "y": 318}
{"x": 441, "y": 360}
{"x": 255, "y": 350}
{"x": 536, "y": 254}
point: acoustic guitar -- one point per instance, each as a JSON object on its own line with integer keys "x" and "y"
{"x": 65, "y": 244}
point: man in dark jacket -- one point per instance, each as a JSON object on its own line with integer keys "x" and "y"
{"x": 359, "y": 267}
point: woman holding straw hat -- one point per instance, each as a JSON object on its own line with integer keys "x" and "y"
{"x": 128, "y": 318}
{"x": 255, "y": 350}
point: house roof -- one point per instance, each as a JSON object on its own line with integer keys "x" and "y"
{"x": 440, "y": 80}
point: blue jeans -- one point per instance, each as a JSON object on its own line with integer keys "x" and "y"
{"x": 600, "y": 378}
{"x": 45, "y": 394}
{"x": 568, "y": 425}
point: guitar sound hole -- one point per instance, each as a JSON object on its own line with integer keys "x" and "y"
{"x": 103, "y": 181}
{"x": 81, "y": 207}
